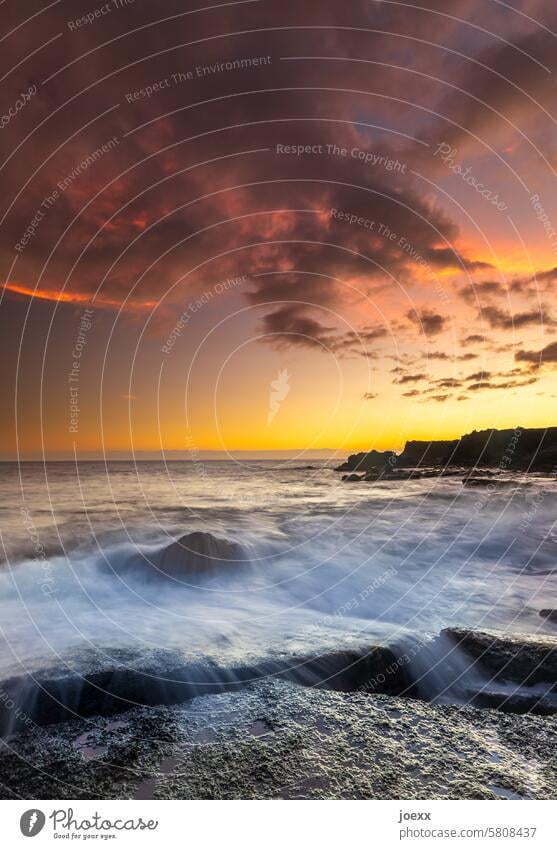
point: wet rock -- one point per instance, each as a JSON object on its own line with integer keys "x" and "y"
{"x": 353, "y": 478}
{"x": 520, "y": 658}
{"x": 549, "y": 614}
{"x": 193, "y": 556}
{"x": 488, "y": 481}
{"x": 275, "y": 740}
{"x": 112, "y": 681}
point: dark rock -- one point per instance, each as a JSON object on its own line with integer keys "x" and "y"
{"x": 353, "y": 478}
{"x": 513, "y": 449}
{"x": 487, "y": 481}
{"x": 422, "y": 453}
{"x": 112, "y": 681}
{"x": 191, "y": 557}
{"x": 549, "y": 614}
{"x": 274, "y": 740}
{"x": 520, "y": 658}
{"x": 367, "y": 460}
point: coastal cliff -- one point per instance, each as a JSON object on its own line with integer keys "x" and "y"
{"x": 518, "y": 449}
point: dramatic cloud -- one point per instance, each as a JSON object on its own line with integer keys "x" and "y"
{"x": 429, "y": 322}
{"x": 539, "y": 358}
{"x": 512, "y": 321}
{"x": 478, "y": 292}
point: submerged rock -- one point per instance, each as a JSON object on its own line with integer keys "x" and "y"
{"x": 199, "y": 552}
{"x": 193, "y": 556}
{"x": 551, "y": 615}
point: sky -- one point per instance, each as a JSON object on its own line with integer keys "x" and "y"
{"x": 265, "y": 226}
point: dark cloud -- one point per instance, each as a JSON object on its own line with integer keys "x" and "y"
{"x": 478, "y": 375}
{"x": 411, "y": 378}
{"x": 429, "y": 322}
{"x": 448, "y": 383}
{"x": 482, "y": 384}
{"x": 294, "y": 325}
{"x": 473, "y": 339}
{"x": 546, "y": 355}
{"x": 511, "y": 321}
{"x": 475, "y": 293}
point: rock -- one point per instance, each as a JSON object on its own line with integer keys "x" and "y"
{"x": 514, "y": 449}
{"x": 422, "y": 453}
{"x": 520, "y": 658}
{"x": 487, "y": 481}
{"x": 549, "y": 614}
{"x": 518, "y": 448}
{"x": 189, "y": 558}
{"x": 108, "y": 682}
{"x": 275, "y": 740}
{"x": 353, "y": 478}
{"x": 366, "y": 460}
{"x": 200, "y": 552}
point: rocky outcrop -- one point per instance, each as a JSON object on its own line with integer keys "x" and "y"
{"x": 515, "y": 449}
{"x": 512, "y": 449}
{"x": 275, "y": 740}
{"x": 286, "y": 726}
{"x": 422, "y": 453}
{"x": 549, "y": 614}
{"x": 367, "y": 460}
{"x": 522, "y": 659}
{"x": 195, "y": 555}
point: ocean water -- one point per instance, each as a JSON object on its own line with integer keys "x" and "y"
{"x": 324, "y": 563}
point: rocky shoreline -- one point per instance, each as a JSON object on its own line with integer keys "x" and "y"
{"x": 466, "y": 714}
{"x": 518, "y": 449}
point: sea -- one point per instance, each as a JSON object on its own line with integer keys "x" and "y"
{"x": 325, "y": 562}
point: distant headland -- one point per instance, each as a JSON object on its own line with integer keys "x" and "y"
{"x": 513, "y": 449}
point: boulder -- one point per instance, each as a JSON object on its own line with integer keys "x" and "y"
{"x": 549, "y": 614}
